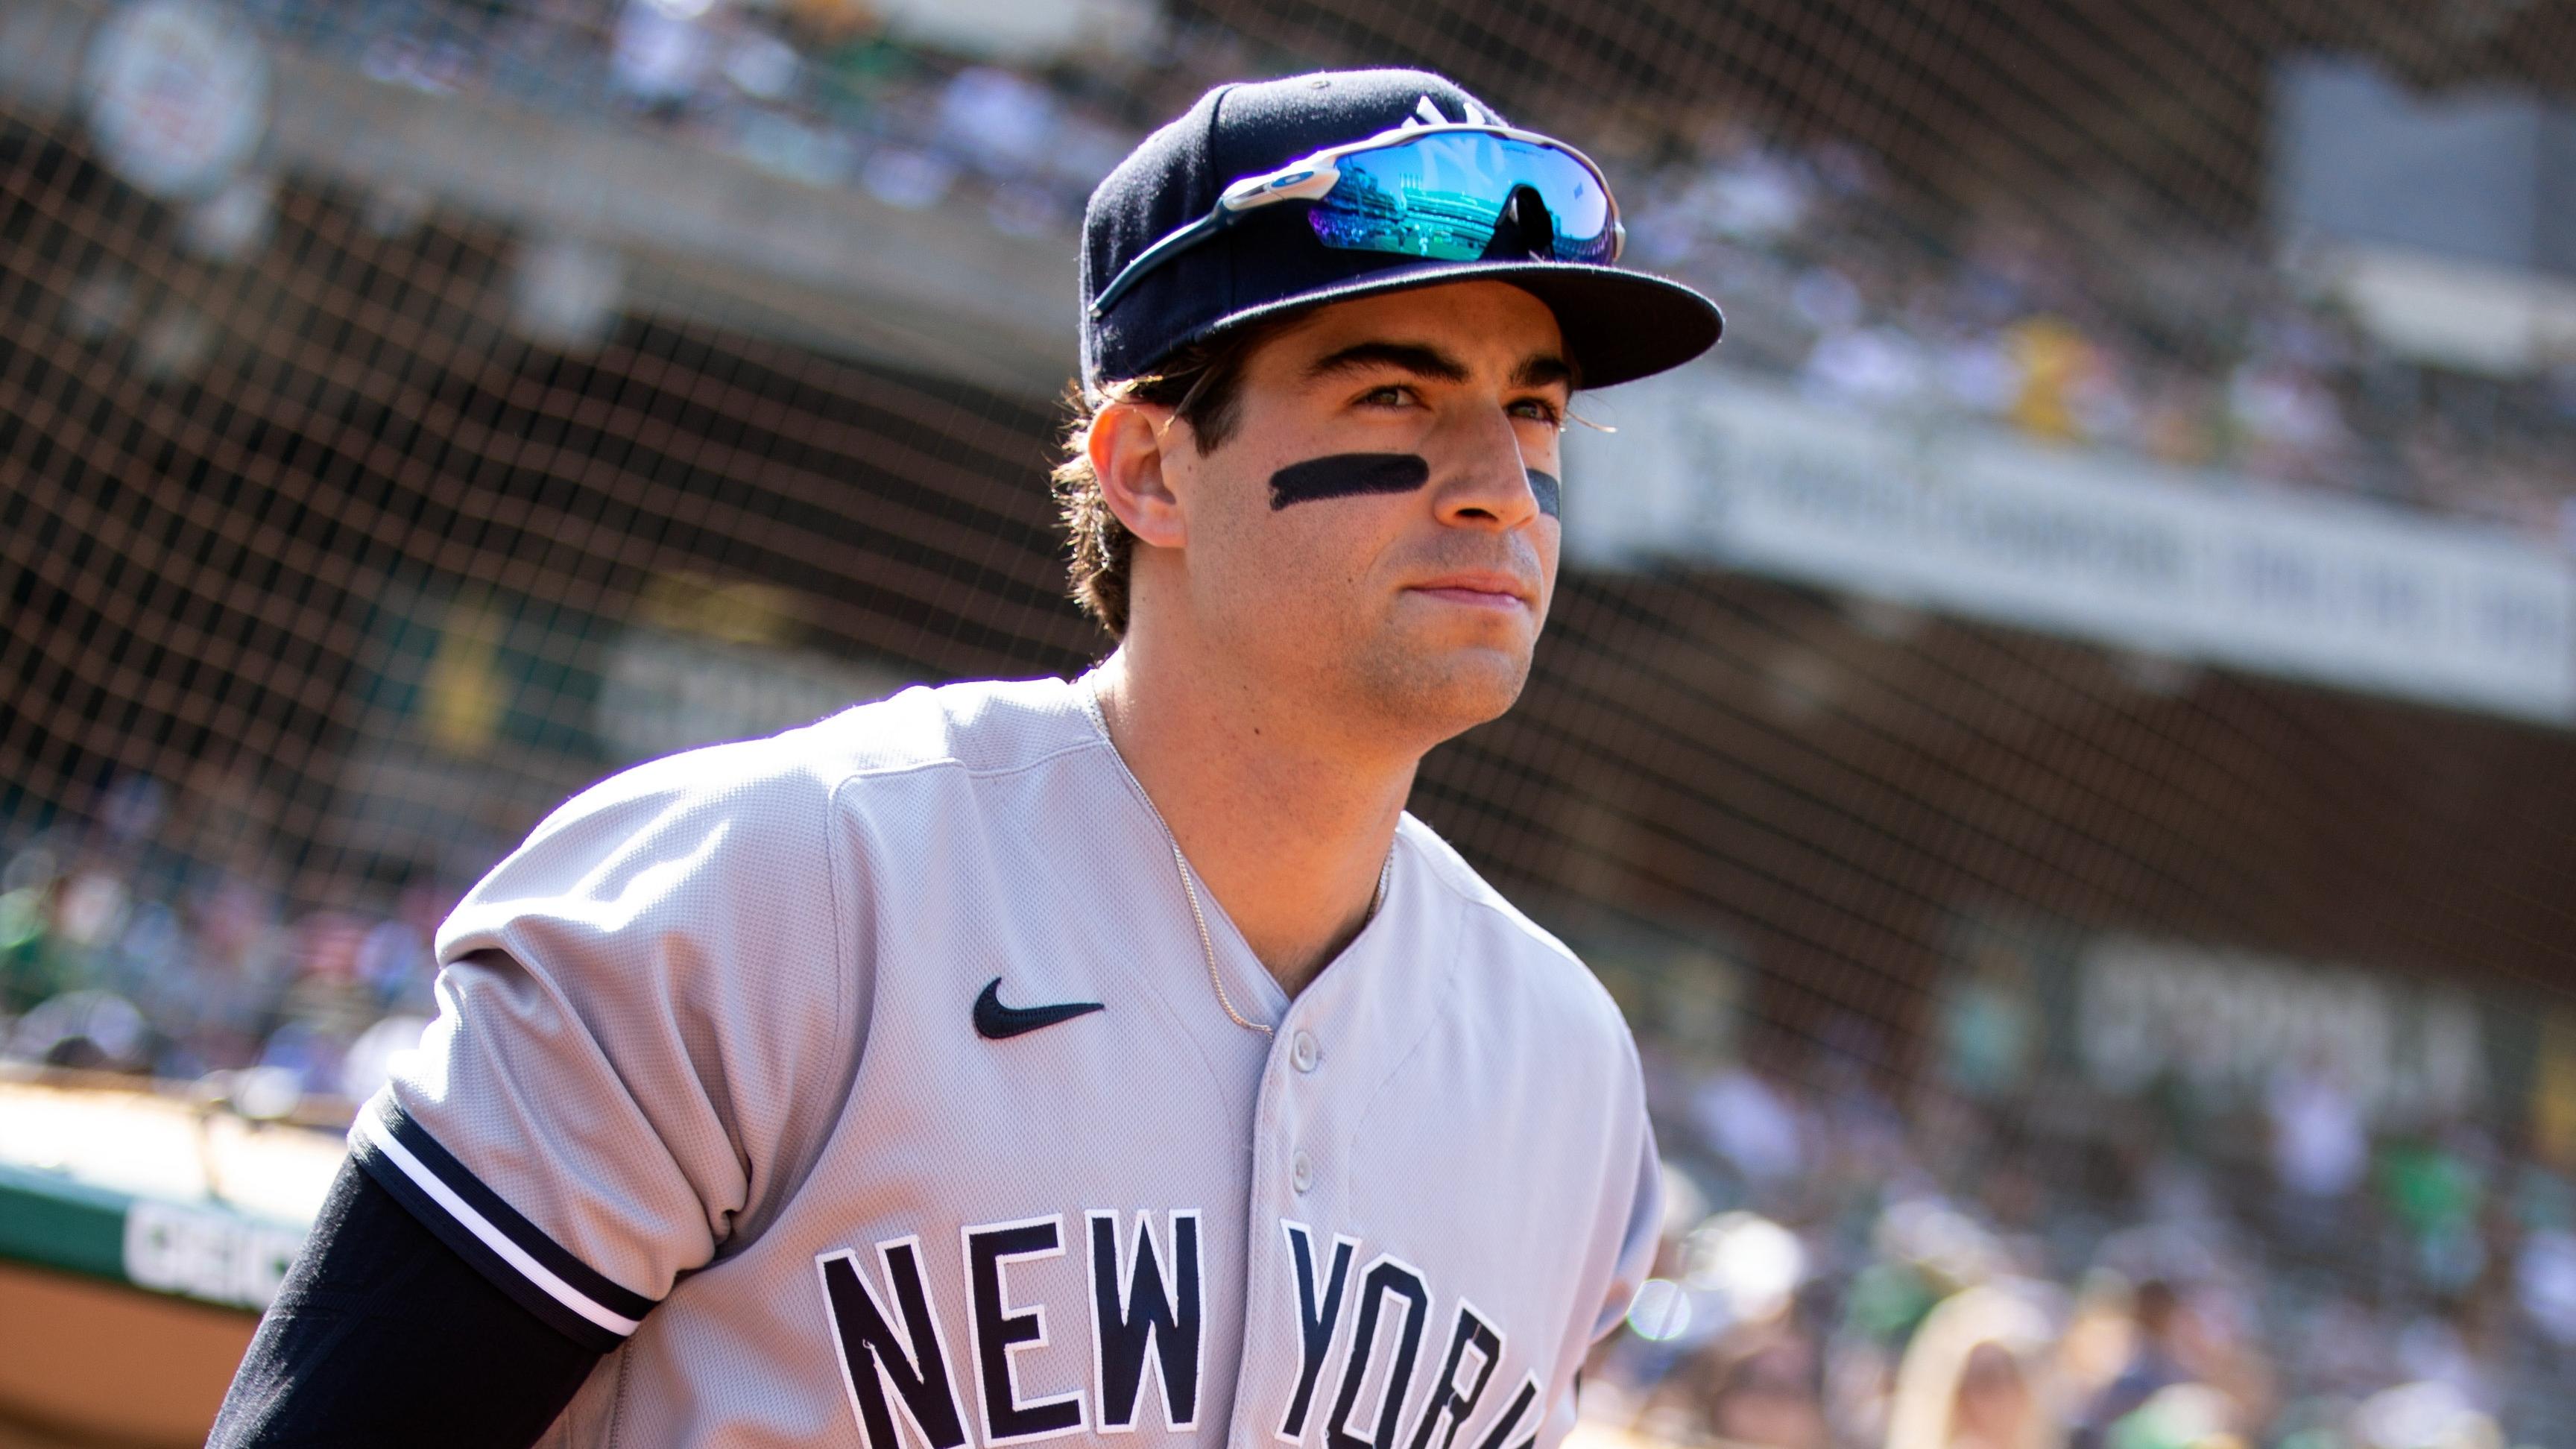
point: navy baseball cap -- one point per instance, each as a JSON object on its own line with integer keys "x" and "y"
{"x": 1618, "y": 324}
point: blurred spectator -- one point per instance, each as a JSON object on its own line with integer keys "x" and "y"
{"x": 2057, "y": 367}
{"x": 2433, "y": 1190}
{"x": 2545, "y": 1283}
{"x": 368, "y": 1063}
{"x": 327, "y": 1005}
{"x": 2154, "y": 1361}
{"x": 1986, "y": 1026}
{"x": 2178, "y": 1416}
{"x": 1750, "y": 1123}
{"x": 663, "y": 52}
{"x": 2423, "y": 1416}
{"x": 84, "y": 1030}
{"x": 1764, "y": 1392}
{"x": 1976, "y": 1375}
{"x": 123, "y": 949}
{"x": 2320, "y": 1146}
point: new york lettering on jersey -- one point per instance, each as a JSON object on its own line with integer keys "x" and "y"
{"x": 1147, "y": 1347}
{"x": 866, "y": 1085}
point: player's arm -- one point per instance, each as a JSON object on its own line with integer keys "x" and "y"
{"x": 643, "y": 1038}
{"x": 383, "y": 1335}
{"x": 1631, "y": 1217}
{"x": 1639, "y": 1239}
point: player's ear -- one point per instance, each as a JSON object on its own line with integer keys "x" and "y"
{"x": 1128, "y": 446}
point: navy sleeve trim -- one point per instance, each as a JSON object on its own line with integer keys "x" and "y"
{"x": 472, "y": 1219}
{"x": 373, "y": 1333}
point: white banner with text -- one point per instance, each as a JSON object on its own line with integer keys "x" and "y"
{"x": 1708, "y": 466}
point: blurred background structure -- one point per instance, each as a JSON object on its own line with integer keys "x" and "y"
{"x": 2058, "y": 734}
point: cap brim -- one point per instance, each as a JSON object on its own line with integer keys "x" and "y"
{"x": 1618, "y": 325}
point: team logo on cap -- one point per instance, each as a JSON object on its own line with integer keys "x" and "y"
{"x": 1427, "y": 113}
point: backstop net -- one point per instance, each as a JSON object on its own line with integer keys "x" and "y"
{"x": 2057, "y": 733}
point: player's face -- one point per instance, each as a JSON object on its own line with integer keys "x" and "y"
{"x": 1380, "y": 529}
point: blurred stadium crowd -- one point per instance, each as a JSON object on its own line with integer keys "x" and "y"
{"x": 1863, "y": 1251}
{"x": 158, "y": 942}
{"x": 2180, "y": 343}
{"x": 1851, "y": 1258}
{"x": 1843, "y": 1268}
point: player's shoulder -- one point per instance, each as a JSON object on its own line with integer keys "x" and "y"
{"x": 1514, "y": 959}
{"x": 978, "y": 727}
{"x": 786, "y": 779}
{"x": 753, "y": 819}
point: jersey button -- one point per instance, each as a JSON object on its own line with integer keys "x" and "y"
{"x": 1303, "y": 1053}
{"x": 1301, "y": 1172}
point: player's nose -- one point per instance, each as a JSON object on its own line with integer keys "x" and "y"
{"x": 1488, "y": 483}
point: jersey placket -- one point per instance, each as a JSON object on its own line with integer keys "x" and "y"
{"x": 1327, "y": 1057}
{"x": 1296, "y": 1177}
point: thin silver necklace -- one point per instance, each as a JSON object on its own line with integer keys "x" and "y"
{"x": 1207, "y": 944}
{"x": 1189, "y": 885}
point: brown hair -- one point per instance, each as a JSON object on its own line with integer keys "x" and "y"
{"x": 1202, "y": 384}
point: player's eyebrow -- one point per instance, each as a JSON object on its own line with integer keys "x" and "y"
{"x": 1419, "y": 358}
{"x": 1543, "y": 369}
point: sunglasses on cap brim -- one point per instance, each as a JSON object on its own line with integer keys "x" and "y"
{"x": 1435, "y": 192}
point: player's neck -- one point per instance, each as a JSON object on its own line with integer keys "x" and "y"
{"x": 1288, "y": 829}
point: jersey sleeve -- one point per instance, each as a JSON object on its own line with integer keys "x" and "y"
{"x": 644, "y": 1034}
{"x": 1631, "y": 1218}
{"x": 1639, "y": 1241}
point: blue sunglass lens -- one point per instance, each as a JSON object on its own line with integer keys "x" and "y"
{"x": 1440, "y": 197}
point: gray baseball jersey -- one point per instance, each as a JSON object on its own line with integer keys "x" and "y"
{"x": 867, "y": 1085}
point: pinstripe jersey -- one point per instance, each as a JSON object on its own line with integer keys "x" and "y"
{"x": 866, "y": 1085}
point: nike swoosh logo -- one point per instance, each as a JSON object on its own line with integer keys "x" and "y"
{"x": 996, "y": 1022}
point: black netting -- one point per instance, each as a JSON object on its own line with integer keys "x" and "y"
{"x": 537, "y": 388}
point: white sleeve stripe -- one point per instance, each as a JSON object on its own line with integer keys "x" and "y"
{"x": 490, "y": 1236}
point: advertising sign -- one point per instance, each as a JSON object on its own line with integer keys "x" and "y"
{"x": 2028, "y": 1003}
{"x": 1710, "y": 467}
{"x": 2228, "y": 1021}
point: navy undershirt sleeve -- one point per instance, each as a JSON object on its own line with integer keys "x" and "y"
{"x": 384, "y": 1335}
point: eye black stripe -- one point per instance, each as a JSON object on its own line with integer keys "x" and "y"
{"x": 1344, "y": 475}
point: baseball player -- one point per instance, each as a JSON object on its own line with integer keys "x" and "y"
{"x": 1012, "y": 1062}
